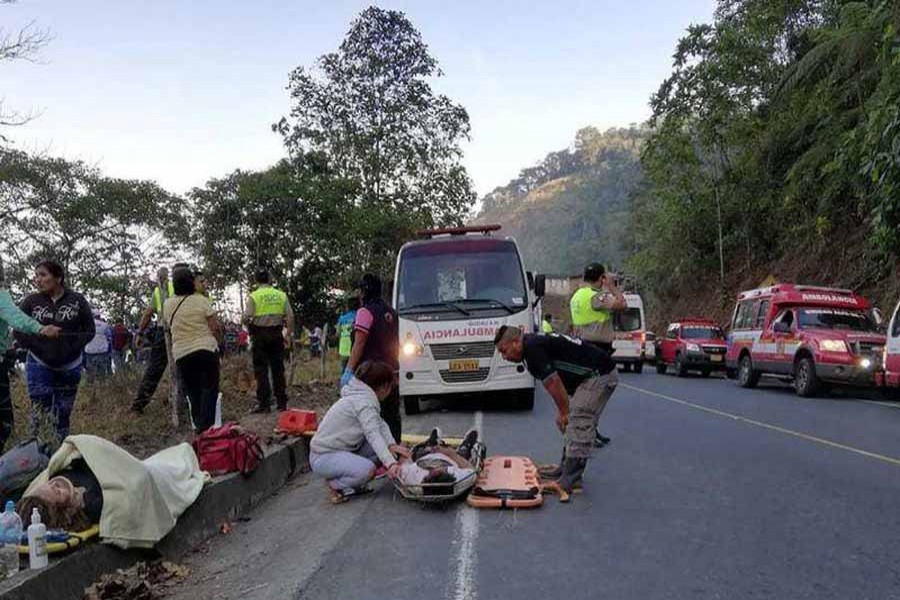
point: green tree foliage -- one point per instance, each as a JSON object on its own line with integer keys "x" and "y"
{"x": 574, "y": 206}
{"x": 99, "y": 228}
{"x": 777, "y": 128}
{"x": 367, "y": 112}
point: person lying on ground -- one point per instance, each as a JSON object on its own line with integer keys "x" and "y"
{"x": 432, "y": 461}
{"x": 136, "y": 503}
{"x": 353, "y": 440}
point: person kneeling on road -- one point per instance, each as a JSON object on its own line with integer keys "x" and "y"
{"x": 580, "y": 378}
{"x": 433, "y": 461}
{"x": 353, "y": 440}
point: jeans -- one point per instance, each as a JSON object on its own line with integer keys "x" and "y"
{"x": 52, "y": 394}
{"x": 268, "y": 354}
{"x": 345, "y": 470}
{"x": 98, "y": 366}
{"x": 199, "y": 373}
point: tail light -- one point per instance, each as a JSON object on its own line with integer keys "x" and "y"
{"x": 639, "y": 336}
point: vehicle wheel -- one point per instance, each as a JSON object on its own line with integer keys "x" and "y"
{"x": 680, "y": 369}
{"x": 806, "y": 382}
{"x": 411, "y": 405}
{"x": 705, "y": 372}
{"x": 661, "y": 367}
{"x": 748, "y": 377}
{"x": 525, "y": 399}
{"x": 638, "y": 367}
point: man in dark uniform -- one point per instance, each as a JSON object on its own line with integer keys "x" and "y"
{"x": 376, "y": 336}
{"x": 579, "y": 377}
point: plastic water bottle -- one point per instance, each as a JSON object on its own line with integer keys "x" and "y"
{"x": 10, "y": 535}
{"x": 37, "y": 542}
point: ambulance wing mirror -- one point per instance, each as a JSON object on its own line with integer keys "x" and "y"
{"x": 530, "y": 276}
{"x": 540, "y": 285}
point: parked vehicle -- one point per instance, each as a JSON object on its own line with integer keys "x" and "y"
{"x": 649, "y": 347}
{"x": 889, "y": 378}
{"x": 630, "y": 330}
{"x": 692, "y": 345}
{"x": 812, "y": 336}
{"x": 453, "y": 289}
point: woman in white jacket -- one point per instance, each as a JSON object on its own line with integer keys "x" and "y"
{"x": 353, "y": 440}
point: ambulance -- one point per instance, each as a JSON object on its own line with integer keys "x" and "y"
{"x": 453, "y": 289}
{"x": 889, "y": 378}
{"x": 811, "y": 336}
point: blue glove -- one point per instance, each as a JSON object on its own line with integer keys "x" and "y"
{"x": 345, "y": 378}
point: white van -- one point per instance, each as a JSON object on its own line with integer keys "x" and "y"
{"x": 452, "y": 290}
{"x": 631, "y": 334}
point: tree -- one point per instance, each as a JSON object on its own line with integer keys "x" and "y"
{"x": 23, "y": 44}
{"x": 368, "y": 112}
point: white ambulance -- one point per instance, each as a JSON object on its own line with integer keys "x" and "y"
{"x": 631, "y": 334}
{"x": 452, "y": 290}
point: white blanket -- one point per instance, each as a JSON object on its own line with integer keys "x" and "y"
{"x": 141, "y": 499}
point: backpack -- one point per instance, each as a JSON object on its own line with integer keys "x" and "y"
{"x": 20, "y": 465}
{"x": 227, "y": 449}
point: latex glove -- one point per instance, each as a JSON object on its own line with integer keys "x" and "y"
{"x": 345, "y": 378}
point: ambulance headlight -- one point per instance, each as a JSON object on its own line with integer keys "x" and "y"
{"x": 833, "y": 346}
{"x": 411, "y": 348}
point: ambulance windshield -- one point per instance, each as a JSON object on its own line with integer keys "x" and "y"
{"x": 832, "y": 318}
{"x": 462, "y": 277}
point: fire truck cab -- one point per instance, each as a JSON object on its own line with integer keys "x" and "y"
{"x": 812, "y": 336}
{"x": 453, "y": 289}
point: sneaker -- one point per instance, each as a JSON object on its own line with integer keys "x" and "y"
{"x": 341, "y": 496}
{"x": 260, "y": 410}
{"x": 435, "y": 438}
{"x": 469, "y": 441}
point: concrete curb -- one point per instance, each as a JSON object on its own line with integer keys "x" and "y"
{"x": 224, "y": 499}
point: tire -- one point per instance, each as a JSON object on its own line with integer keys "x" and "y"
{"x": 747, "y": 376}
{"x": 661, "y": 368}
{"x": 680, "y": 369}
{"x": 639, "y": 367}
{"x": 626, "y": 367}
{"x": 806, "y": 381}
{"x": 525, "y": 399}
{"x": 705, "y": 373}
{"x": 411, "y": 405}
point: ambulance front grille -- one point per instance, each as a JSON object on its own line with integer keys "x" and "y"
{"x": 465, "y": 376}
{"x": 454, "y": 351}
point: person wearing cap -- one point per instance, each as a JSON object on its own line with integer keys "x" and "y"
{"x": 98, "y": 352}
{"x": 266, "y": 314}
{"x": 376, "y": 337}
{"x": 13, "y": 318}
{"x": 159, "y": 357}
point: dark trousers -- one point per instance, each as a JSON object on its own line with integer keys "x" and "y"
{"x": 390, "y": 413}
{"x": 199, "y": 373}
{"x": 268, "y": 355}
{"x": 156, "y": 366}
{"x": 6, "y": 407}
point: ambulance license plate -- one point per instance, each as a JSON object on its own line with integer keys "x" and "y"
{"x": 463, "y": 365}
{"x": 716, "y": 357}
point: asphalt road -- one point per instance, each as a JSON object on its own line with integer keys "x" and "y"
{"x": 707, "y": 491}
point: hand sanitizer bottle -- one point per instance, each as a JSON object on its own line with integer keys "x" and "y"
{"x": 37, "y": 542}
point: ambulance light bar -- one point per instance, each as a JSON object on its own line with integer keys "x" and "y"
{"x": 428, "y": 233}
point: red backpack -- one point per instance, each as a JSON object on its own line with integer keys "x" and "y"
{"x": 227, "y": 449}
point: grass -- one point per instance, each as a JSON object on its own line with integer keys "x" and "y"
{"x": 103, "y": 408}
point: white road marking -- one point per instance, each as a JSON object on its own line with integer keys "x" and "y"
{"x": 464, "y": 560}
{"x": 805, "y": 436}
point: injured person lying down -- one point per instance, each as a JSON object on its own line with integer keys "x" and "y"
{"x": 434, "y": 462}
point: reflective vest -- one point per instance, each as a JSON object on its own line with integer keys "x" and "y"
{"x": 546, "y": 327}
{"x": 269, "y": 301}
{"x": 582, "y": 312}
{"x": 157, "y": 296}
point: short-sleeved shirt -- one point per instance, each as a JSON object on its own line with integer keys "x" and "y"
{"x": 189, "y": 325}
{"x": 379, "y": 321}
{"x": 574, "y": 361}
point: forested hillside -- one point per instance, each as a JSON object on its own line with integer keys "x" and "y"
{"x": 575, "y": 205}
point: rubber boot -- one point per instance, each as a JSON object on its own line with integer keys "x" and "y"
{"x": 553, "y": 471}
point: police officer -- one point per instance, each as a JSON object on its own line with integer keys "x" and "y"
{"x": 376, "y": 336}
{"x": 159, "y": 359}
{"x": 592, "y": 309}
{"x": 266, "y": 314}
{"x": 345, "y": 331}
{"x": 547, "y": 323}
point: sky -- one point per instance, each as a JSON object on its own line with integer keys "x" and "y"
{"x": 181, "y": 92}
